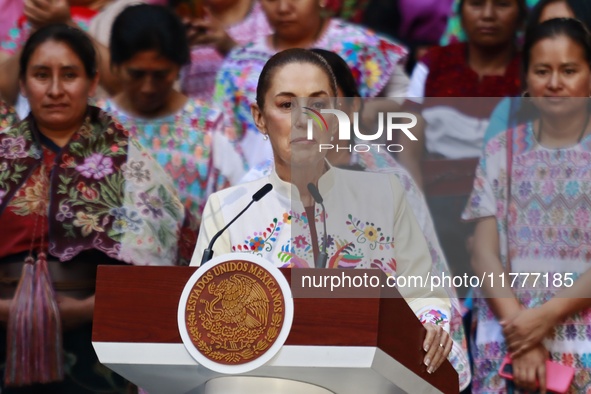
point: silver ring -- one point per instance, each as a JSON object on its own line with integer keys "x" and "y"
{"x": 441, "y": 345}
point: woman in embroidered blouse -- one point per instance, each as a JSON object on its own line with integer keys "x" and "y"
{"x": 377, "y": 64}
{"x": 292, "y": 239}
{"x": 532, "y": 204}
{"x": 381, "y": 161}
{"x": 75, "y": 191}
{"x": 148, "y": 48}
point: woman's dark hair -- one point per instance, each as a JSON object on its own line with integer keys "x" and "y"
{"x": 288, "y": 56}
{"x": 341, "y": 71}
{"x": 520, "y": 3}
{"x": 74, "y": 38}
{"x": 145, "y": 27}
{"x": 580, "y": 8}
{"x": 569, "y": 27}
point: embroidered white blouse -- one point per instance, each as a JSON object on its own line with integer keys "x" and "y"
{"x": 369, "y": 225}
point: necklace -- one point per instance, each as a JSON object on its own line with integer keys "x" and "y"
{"x": 581, "y": 134}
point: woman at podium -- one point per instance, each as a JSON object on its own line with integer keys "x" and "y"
{"x": 368, "y": 222}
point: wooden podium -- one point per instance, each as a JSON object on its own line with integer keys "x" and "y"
{"x": 345, "y": 345}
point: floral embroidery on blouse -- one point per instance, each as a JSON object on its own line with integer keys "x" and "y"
{"x": 8, "y": 115}
{"x": 368, "y": 232}
{"x": 93, "y": 205}
{"x": 183, "y": 144}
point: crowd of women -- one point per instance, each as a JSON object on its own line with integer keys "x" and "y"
{"x": 133, "y": 132}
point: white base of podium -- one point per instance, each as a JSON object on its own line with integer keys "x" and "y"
{"x": 169, "y": 369}
{"x": 253, "y": 384}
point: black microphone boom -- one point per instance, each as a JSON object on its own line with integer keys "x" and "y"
{"x": 322, "y": 256}
{"x": 262, "y": 192}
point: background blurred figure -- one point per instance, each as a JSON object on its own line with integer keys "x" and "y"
{"x": 450, "y": 138}
{"x": 377, "y": 63}
{"x": 532, "y": 204}
{"x": 418, "y": 24}
{"x": 454, "y": 32}
{"x": 226, "y": 23}
{"x": 148, "y": 48}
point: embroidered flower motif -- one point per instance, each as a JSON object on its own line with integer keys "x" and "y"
{"x": 13, "y": 148}
{"x": 126, "y": 221}
{"x": 151, "y": 204}
{"x": 64, "y": 213}
{"x": 96, "y": 166}
{"x": 286, "y": 218}
{"x": 525, "y": 189}
{"x": 370, "y": 233}
{"x": 329, "y": 241}
{"x": 256, "y": 243}
{"x": 34, "y": 198}
{"x": 87, "y": 192}
{"x": 87, "y": 222}
{"x": 135, "y": 171}
{"x": 571, "y": 332}
{"x": 67, "y": 161}
{"x": 260, "y": 240}
{"x": 300, "y": 241}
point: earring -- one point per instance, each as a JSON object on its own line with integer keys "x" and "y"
{"x": 265, "y": 137}
{"x": 525, "y": 93}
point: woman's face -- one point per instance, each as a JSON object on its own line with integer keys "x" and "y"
{"x": 292, "y": 19}
{"x": 557, "y": 9}
{"x": 57, "y": 87}
{"x": 490, "y": 23}
{"x": 148, "y": 79}
{"x": 295, "y": 90}
{"x": 558, "y": 70}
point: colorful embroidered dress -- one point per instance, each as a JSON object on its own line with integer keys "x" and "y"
{"x": 363, "y": 232}
{"x": 198, "y": 79}
{"x": 107, "y": 193}
{"x": 549, "y": 230}
{"x": 191, "y": 147}
{"x": 383, "y": 162}
{"x": 372, "y": 59}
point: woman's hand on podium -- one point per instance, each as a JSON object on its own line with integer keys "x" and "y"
{"x": 437, "y": 344}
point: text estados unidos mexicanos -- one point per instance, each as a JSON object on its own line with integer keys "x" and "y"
{"x": 344, "y": 280}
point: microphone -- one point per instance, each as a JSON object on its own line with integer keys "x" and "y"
{"x": 322, "y": 256}
{"x": 262, "y": 192}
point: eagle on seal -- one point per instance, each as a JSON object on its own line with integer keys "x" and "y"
{"x": 243, "y": 302}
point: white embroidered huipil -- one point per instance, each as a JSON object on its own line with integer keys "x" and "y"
{"x": 369, "y": 225}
